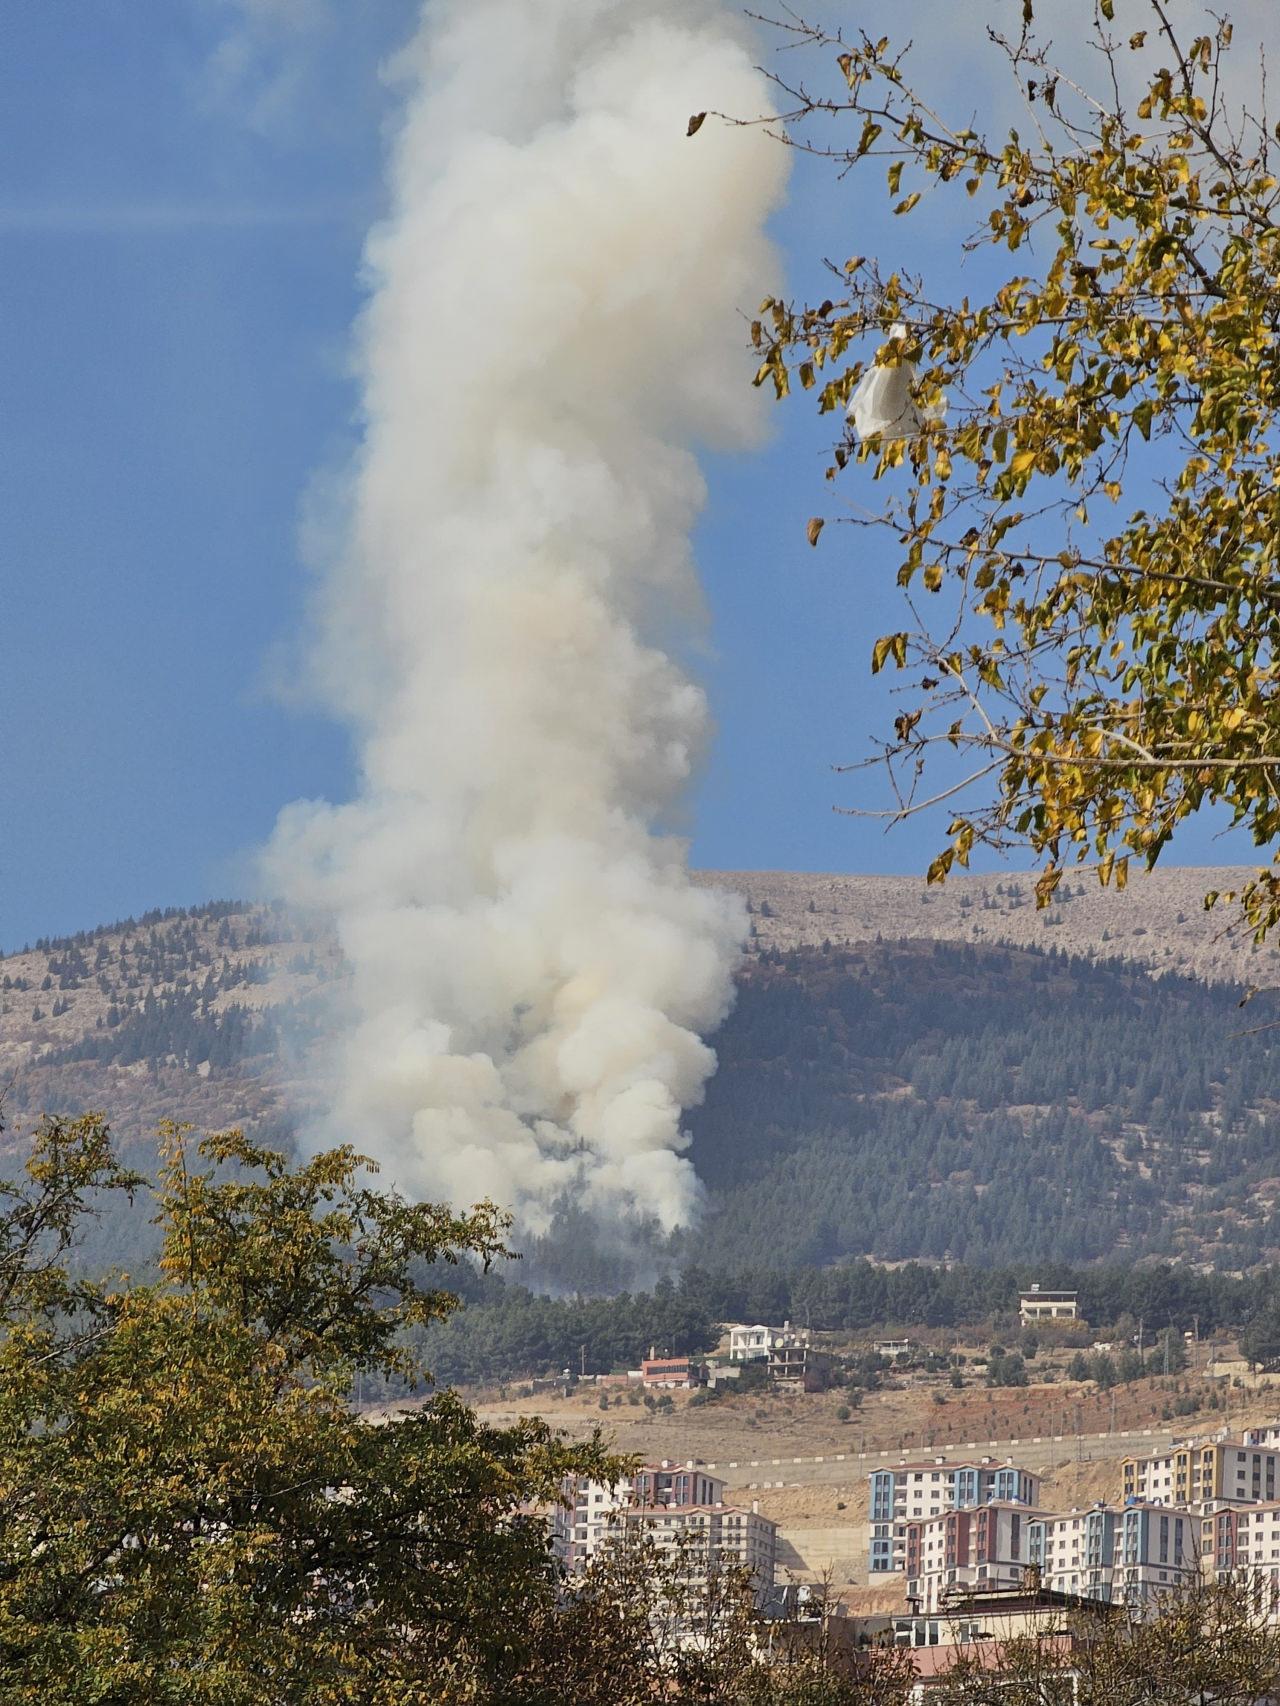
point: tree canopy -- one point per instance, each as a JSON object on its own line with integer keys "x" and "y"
{"x": 189, "y": 1508}
{"x": 1088, "y": 538}
{"x": 192, "y": 1511}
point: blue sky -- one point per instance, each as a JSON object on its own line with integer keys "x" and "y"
{"x": 183, "y": 197}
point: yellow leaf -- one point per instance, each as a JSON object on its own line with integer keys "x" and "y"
{"x": 888, "y": 645}
{"x": 814, "y": 529}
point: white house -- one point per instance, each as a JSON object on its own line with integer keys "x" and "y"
{"x": 1041, "y": 1305}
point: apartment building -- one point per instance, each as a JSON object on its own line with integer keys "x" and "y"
{"x": 917, "y": 1491}
{"x": 1238, "y": 1540}
{"x": 1201, "y": 1470}
{"x": 945, "y": 1555}
{"x": 1119, "y": 1554}
{"x": 706, "y": 1538}
{"x": 588, "y": 1510}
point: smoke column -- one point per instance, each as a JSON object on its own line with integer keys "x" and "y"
{"x": 553, "y": 326}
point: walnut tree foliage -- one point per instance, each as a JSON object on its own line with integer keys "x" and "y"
{"x": 1089, "y": 541}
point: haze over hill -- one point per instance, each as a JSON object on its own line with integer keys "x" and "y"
{"x": 876, "y": 1095}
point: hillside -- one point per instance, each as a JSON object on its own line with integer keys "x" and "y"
{"x": 983, "y": 1104}
{"x": 1158, "y": 922}
{"x": 982, "y": 1083}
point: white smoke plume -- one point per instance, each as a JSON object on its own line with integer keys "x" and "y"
{"x": 553, "y": 329}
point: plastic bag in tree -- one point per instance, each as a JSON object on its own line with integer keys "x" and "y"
{"x": 883, "y": 402}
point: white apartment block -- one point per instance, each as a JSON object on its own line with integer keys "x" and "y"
{"x": 1122, "y": 1554}
{"x": 707, "y": 1538}
{"x": 911, "y": 1492}
{"x": 984, "y": 1547}
{"x": 1199, "y": 1470}
{"x": 580, "y": 1520}
{"x": 589, "y": 1510}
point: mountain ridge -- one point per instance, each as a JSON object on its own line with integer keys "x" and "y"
{"x": 900, "y": 1051}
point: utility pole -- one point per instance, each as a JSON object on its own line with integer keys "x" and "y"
{"x": 582, "y": 1360}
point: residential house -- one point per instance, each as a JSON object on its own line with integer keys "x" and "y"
{"x": 1039, "y": 1305}
{"x": 672, "y": 1372}
{"x": 749, "y": 1344}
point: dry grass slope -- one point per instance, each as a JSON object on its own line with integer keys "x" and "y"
{"x": 1158, "y": 921}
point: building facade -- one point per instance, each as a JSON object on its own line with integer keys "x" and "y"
{"x": 668, "y": 1483}
{"x": 794, "y": 1364}
{"x": 589, "y": 1510}
{"x": 705, "y": 1538}
{"x": 1120, "y": 1554}
{"x": 917, "y": 1491}
{"x": 749, "y": 1344}
{"x": 1244, "y": 1541}
{"x": 1041, "y": 1305}
{"x": 668, "y": 1371}
{"x": 1201, "y": 1470}
{"x": 982, "y": 1547}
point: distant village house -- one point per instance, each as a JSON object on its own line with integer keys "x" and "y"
{"x": 668, "y": 1371}
{"x": 1040, "y": 1305}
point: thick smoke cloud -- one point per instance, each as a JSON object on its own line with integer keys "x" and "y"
{"x": 552, "y": 330}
